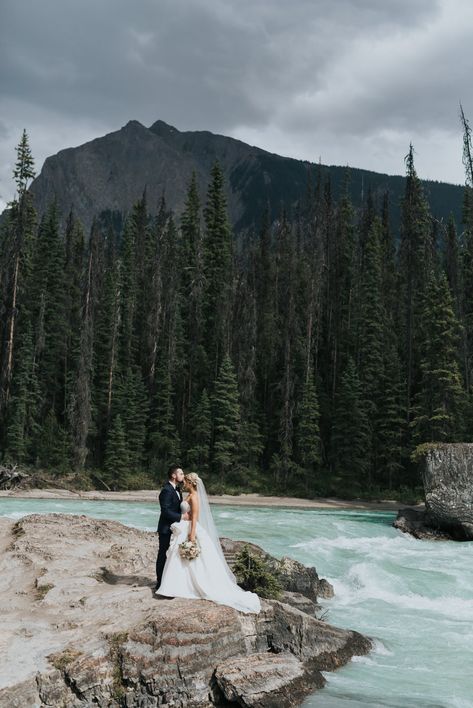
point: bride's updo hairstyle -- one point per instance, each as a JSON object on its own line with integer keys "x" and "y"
{"x": 192, "y": 478}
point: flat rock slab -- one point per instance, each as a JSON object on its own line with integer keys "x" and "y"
{"x": 301, "y": 602}
{"x": 81, "y": 625}
{"x": 267, "y": 680}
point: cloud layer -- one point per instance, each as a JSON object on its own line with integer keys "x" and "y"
{"x": 347, "y": 81}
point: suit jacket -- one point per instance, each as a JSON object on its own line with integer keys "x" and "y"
{"x": 170, "y": 503}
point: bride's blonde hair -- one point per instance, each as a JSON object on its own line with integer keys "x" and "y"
{"x": 192, "y": 478}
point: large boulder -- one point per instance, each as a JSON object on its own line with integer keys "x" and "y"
{"x": 81, "y": 626}
{"x": 447, "y": 475}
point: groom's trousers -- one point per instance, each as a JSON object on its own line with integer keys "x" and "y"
{"x": 164, "y": 541}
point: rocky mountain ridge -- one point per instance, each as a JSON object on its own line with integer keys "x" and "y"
{"x": 105, "y": 176}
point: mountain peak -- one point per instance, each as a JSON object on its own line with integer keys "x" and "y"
{"x": 133, "y": 124}
{"x": 163, "y": 129}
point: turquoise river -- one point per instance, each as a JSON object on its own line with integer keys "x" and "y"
{"x": 414, "y": 598}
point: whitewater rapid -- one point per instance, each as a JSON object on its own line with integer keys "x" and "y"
{"x": 414, "y": 598}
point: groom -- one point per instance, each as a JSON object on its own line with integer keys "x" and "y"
{"x": 170, "y": 499}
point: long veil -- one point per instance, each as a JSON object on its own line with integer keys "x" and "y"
{"x": 206, "y": 520}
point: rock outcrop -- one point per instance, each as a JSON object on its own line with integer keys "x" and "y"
{"x": 296, "y": 579}
{"x": 81, "y": 626}
{"x": 266, "y": 680}
{"x": 413, "y": 521}
{"x": 447, "y": 475}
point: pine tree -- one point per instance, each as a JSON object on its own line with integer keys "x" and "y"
{"x": 52, "y": 445}
{"x": 128, "y": 297}
{"x": 23, "y": 427}
{"x": 414, "y": 264}
{"x": 131, "y": 404}
{"x": 266, "y": 333}
{"x": 226, "y": 420}
{"x": 191, "y": 277}
{"x": 371, "y": 318}
{"x": 154, "y": 288}
{"x": 190, "y": 255}
{"x": 440, "y": 401}
{"x": 389, "y": 273}
{"x": 16, "y": 263}
{"x": 80, "y": 405}
{"x": 390, "y": 420}
{"x": 117, "y": 455}
{"x": 391, "y": 423}
{"x": 200, "y": 432}
{"x": 341, "y": 275}
{"x": 350, "y": 433}
{"x": 451, "y": 262}
{"x": 467, "y": 156}
{"x": 266, "y": 312}
{"x": 308, "y": 433}
{"x": 466, "y": 297}
{"x": 218, "y": 272}
{"x": 164, "y": 442}
{"x": 251, "y": 443}
{"x": 49, "y": 301}
{"x": 368, "y": 216}
{"x": 141, "y": 238}
{"x": 73, "y": 276}
{"x": 173, "y": 334}
{"x": 24, "y": 167}
{"x": 244, "y": 350}
{"x": 106, "y": 351}
{"x": 283, "y": 465}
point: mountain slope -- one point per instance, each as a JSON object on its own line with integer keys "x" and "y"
{"x": 109, "y": 173}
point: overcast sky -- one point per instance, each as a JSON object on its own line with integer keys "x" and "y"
{"x": 347, "y": 81}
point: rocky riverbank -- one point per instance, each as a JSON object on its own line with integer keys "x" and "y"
{"x": 81, "y": 626}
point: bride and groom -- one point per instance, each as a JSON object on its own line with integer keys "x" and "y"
{"x": 207, "y": 576}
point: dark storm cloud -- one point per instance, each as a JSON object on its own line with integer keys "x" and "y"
{"x": 352, "y": 79}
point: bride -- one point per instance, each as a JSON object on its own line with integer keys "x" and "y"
{"x": 208, "y": 576}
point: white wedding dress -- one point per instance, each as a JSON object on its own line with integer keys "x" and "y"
{"x": 206, "y": 577}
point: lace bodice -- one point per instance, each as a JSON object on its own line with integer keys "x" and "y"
{"x": 185, "y": 506}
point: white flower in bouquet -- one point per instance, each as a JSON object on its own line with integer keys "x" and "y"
{"x": 189, "y": 549}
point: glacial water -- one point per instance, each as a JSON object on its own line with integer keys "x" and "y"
{"x": 415, "y": 598}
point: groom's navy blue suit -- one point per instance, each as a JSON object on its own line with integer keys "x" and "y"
{"x": 170, "y": 503}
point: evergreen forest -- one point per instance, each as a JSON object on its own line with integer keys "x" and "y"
{"x": 312, "y": 356}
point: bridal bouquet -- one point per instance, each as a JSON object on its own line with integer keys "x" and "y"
{"x": 189, "y": 549}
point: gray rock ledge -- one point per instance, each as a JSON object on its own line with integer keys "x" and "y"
{"x": 82, "y": 627}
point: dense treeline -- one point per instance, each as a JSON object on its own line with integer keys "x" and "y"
{"x": 313, "y": 359}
